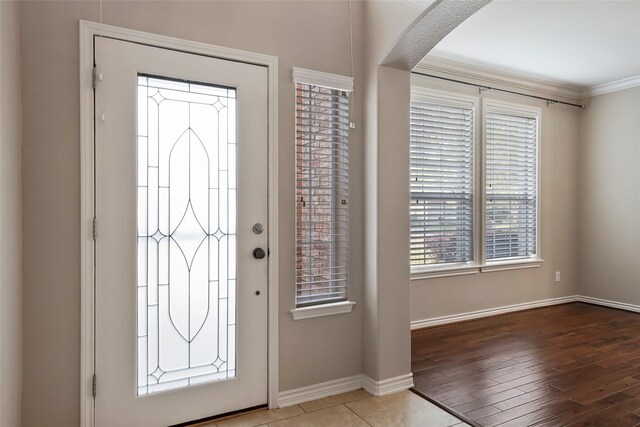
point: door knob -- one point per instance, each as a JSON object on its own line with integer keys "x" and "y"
{"x": 259, "y": 253}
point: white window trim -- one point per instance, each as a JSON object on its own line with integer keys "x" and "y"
{"x": 345, "y": 83}
{"x": 480, "y": 264}
{"x": 319, "y": 78}
{"x": 430, "y": 272}
{"x": 502, "y": 107}
{"x": 516, "y": 264}
{"x": 320, "y": 310}
{"x": 461, "y": 101}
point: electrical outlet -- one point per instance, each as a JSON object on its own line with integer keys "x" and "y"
{"x": 557, "y": 276}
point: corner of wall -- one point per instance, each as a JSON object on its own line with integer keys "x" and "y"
{"x": 10, "y": 216}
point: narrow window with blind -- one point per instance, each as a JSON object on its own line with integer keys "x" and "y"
{"x": 511, "y": 165}
{"x": 322, "y": 187}
{"x": 441, "y": 181}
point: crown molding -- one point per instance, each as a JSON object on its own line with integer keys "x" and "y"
{"x": 615, "y": 86}
{"x": 439, "y": 65}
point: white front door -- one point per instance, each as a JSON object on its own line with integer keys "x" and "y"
{"x": 181, "y": 180}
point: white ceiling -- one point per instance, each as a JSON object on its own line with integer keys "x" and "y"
{"x": 574, "y": 43}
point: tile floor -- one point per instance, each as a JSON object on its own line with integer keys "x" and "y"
{"x": 353, "y": 409}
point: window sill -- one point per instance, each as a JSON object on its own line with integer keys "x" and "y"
{"x": 322, "y": 310}
{"x": 464, "y": 270}
{"x": 511, "y": 265}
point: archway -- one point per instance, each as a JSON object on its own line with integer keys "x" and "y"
{"x": 386, "y": 302}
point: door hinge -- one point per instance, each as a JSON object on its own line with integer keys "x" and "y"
{"x": 94, "y": 78}
{"x": 94, "y": 385}
{"x": 95, "y": 228}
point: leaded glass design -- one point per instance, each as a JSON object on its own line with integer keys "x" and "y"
{"x": 186, "y": 260}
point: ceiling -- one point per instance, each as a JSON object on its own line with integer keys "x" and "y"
{"x": 580, "y": 44}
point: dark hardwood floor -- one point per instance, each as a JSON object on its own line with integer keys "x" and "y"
{"x": 567, "y": 365}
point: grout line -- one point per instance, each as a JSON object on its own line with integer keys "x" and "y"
{"x": 365, "y": 421}
{"x": 336, "y": 404}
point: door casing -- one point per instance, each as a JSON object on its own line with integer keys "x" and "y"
{"x": 89, "y": 30}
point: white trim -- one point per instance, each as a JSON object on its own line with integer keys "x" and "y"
{"x": 319, "y": 391}
{"x": 322, "y": 310}
{"x": 503, "y": 107}
{"x": 425, "y": 272}
{"x": 421, "y": 93}
{"x": 86, "y": 219}
{"x": 388, "y": 386}
{"x": 87, "y": 32}
{"x": 608, "y": 303}
{"x": 454, "y": 318}
{"x": 319, "y": 78}
{"x": 511, "y": 265}
{"x": 437, "y": 65}
{"x": 614, "y": 86}
{"x": 432, "y": 273}
{"x": 344, "y": 385}
{"x": 509, "y": 108}
{"x": 490, "y": 75}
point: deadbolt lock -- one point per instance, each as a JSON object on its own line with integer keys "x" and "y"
{"x": 258, "y": 228}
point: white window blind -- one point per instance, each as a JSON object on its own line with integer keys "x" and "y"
{"x": 441, "y": 183}
{"x": 511, "y": 185}
{"x": 322, "y": 184}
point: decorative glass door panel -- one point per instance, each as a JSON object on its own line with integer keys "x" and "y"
{"x": 186, "y": 221}
{"x": 180, "y": 302}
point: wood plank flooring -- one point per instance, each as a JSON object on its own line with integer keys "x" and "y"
{"x": 567, "y": 365}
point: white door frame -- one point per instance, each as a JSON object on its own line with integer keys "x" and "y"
{"x": 88, "y": 30}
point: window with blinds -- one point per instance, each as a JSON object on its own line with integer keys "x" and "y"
{"x": 322, "y": 186}
{"x": 511, "y": 144}
{"x": 441, "y": 182}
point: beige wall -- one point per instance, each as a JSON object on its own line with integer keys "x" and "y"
{"x": 559, "y": 144}
{"x": 312, "y": 350}
{"x": 386, "y": 338}
{"x": 397, "y": 34}
{"x": 609, "y": 245}
{"x": 10, "y": 216}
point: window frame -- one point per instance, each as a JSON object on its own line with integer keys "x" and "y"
{"x": 482, "y": 106}
{"x": 332, "y": 306}
{"x": 458, "y": 101}
{"x": 509, "y": 108}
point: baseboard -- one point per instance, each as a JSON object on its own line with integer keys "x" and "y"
{"x": 391, "y": 385}
{"x": 608, "y": 303}
{"x": 443, "y": 320}
{"x": 343, "y": 385}
{"x": 318, "y": 391}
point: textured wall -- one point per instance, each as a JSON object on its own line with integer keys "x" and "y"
{"x": 609, "y": 245}
{"x": 10, "y": 216}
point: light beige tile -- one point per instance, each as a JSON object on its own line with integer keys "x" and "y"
{"x": 335, "y": 416}
{"x": 257, "y": 418}
{"x": 338, "y": 399}
{"x": 204, "y": 424}
{"x": 401, "y": 409}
